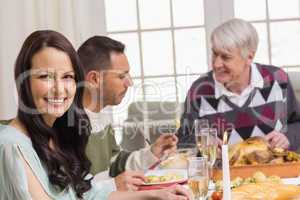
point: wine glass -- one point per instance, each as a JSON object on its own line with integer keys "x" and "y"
{"x": 211, "y": 152}
{"x": 201, "y": 127}
{"x": 200, "y": 124}
{"x": 198, "y": 177}
{"x": 212, "y": 146}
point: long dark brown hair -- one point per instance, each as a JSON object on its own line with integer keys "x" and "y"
{"x": 66, "y": 164}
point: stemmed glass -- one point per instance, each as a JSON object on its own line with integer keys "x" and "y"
{"x": 198, "y": 177}
{"x": 211, "y": 151}
{"x": 201, "y": 127}
{"x": 212, "y": 146}
{"x": 207, "y": 142}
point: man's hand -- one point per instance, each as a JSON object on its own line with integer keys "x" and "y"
{"x": 277, "y": 139}
{"x": 129, "y": 180}
{"x": 165, "y": 144}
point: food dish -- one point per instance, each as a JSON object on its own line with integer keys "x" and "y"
{"x": 165, "y": 176}
{"x": 284, "y": 170}
{"x": 257, "y": 177}
{"x": 256, "y": 150}
{"x": 266, "y": 190}
{"x": 179, "y": 160}
{"x": 255, "y": 154}
{"x": 260, "y": 187}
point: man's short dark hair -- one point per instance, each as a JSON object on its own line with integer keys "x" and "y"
{"x": 95, "y": 52}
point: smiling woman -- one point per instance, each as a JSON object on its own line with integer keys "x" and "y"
{"x": 43, "y": 145}
{"x": 52, "y": 83}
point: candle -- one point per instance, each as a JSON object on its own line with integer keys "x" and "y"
{"x": 226, "y": 171}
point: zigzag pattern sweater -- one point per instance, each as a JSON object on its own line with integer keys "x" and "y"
{"x": 273, "y": 107}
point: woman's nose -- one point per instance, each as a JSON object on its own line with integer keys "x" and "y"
{"x": 59, "y": 86}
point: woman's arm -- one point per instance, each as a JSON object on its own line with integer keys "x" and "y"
{"x": 35, "y": 188}
{"x": 178, "y": 192}
{"x": 17, "y": 180}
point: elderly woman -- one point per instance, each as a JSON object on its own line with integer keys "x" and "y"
{"x": 41, "y": 159}
{"x": 250, "y": 99}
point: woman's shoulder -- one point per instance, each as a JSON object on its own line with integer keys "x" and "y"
{"x": 11, "y": 136}
{"x": 12, "y": 142}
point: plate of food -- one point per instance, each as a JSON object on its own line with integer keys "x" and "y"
{"x": 256, "y": 150}
{"x": 259, "y": 186}
{"x": 255, "y": 154}
{"x": 165, "y": 176}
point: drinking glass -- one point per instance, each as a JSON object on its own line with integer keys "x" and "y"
{"x": 201, "y": 127}
{"x": 200, "y": 124}
{"x": 212, "y": 146}
{"x": 211, "y": 152}
{"x": 198, "y": 177}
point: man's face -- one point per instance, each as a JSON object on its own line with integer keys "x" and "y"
{"x": 230, "y": 67}
{"x": 116, "y": 79}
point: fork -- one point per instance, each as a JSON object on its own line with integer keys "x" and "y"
{"x": 163, "y": 158}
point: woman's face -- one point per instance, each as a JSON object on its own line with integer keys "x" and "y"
{"x": 52, "y": 83}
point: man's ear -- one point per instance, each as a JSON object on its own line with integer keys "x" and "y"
{"x": 93, "y": 78}
{"x": 250, "y": 57}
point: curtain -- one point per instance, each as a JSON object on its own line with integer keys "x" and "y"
{"x": 76, "y": 19}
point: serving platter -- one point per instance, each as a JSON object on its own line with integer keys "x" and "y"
{"x": 283, "y": 170}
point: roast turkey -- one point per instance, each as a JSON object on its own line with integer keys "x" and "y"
{"x": 251, "y": 151}
{"x": 256, "y": 150}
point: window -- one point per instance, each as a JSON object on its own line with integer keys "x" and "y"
{"x": 168, "y": 41}
{"x": 278, "y": 26}
{"x": 166, "y": 49}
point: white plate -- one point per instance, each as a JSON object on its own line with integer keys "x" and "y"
{"x": 162, "y": 172}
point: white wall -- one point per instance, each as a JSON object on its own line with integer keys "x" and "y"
{"x": 76, "y": 19}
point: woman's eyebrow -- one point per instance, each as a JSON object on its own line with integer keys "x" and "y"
{"x": 69, "y": 72}
{"x": 39, "y": 71}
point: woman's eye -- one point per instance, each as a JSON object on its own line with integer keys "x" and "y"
{"x": 44, "y": 76}
{"x": 69, "y": 77}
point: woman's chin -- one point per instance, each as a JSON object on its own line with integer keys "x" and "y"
{"x": 53, "y": 115}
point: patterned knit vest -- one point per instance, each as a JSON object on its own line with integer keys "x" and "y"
{"x": 264, "y": 111}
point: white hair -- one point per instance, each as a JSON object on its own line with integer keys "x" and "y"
{"x": 235, "y": 33}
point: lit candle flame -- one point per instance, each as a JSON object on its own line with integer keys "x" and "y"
{"x": 225, "y": 137}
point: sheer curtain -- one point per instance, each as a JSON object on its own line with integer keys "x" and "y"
{"x": 76, "y": 19}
